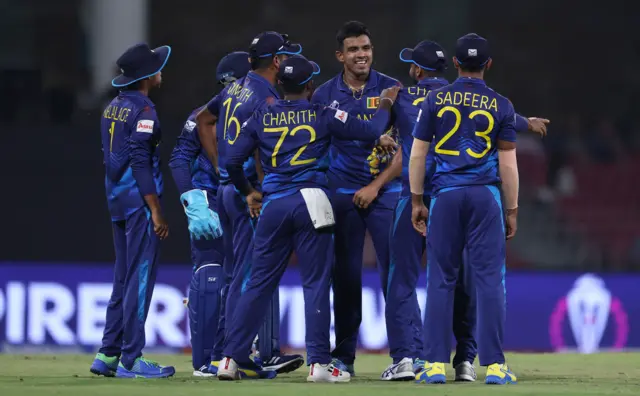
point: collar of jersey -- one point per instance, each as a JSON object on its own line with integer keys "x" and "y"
{"x": 138, "y": 94}
{"x": 433, "y": 80}
{"x": 372, "y": 81}
{"x": 262, "y": 80}
{"x": 470, "y": 80}
{"x": 298, "y": 102}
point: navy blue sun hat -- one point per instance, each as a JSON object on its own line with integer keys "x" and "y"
{"x": 233, "y": 67}
{"x": 297, "y": 70}
{"x": 140, "y": 62}
{"x": 427, "y": 55}
{"x": 472, "y": 51}
{"x": 271, "y": 44}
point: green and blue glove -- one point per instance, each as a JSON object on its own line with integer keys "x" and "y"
{"x": 203, "y": 222}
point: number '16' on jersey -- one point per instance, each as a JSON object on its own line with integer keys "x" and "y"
{"x": 464, "y": 121}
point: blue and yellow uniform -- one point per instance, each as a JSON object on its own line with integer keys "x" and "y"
{"x": 464, "y": 122}
{"x": 293, "y": 139}
{"x": 354, "y": 165}
{"x": 232, "y": 107}
{"x": 193, "y": 172}
{"x": 131, "y": 137}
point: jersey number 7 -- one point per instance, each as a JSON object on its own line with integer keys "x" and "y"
{"x": 284, "y": 131}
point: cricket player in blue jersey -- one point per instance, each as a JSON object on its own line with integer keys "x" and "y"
{"x": 293, "y": 138}
{"x": 403, "y": 317}
{"x": 473, "y": 131}
{"x": 364, "y": 188}
{"x": 131, "y": 135}
{"x": 197, "y": 182}
{"x": 229, "y": 110}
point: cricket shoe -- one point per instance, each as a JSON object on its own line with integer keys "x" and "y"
{"x": 499, "y": 374}
{"x": 344, "y": 367}
{"x": 105, "y": 365}
{"x": 465, "y": 372}
{"x": 213, "y": 367}
{"x": 401, "y": 371}
{"x": 418, "y": 365}
{"x": 203, "y": 372}
{"x": 283, "y": 364}
{"x": 230, "y": 370}
{"x": 327, "y": 373}
{"x": 433, "y": 373}
{"x": 145, "y": 368}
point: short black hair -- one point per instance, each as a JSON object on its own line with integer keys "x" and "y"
{"x": 290, "y": 88}
{"x": 472, "y": 69}
{"x": 136, "y": 86}
{"x": 351, "y": 29}
{"x": 261, "y": 63}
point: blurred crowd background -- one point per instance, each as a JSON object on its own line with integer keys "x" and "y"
{"x": 570, "y": 61}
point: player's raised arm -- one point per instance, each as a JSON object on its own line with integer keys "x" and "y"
{"x": 508, "y": 167}
{"x": 533, "y": 124}
{"x": 352, "y": 128}
{"x": 205, "y": 121}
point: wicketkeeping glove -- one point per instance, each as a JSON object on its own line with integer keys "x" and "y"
{"x": 203, "y": 222}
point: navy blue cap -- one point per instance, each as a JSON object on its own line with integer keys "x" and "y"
{"x": 140, "y": 62}
{"x": 297, "y": 70}
{"x": 233, "y": 67}
{"x": 428, "y": 55}
{"x": 271, "y": 44}
{"x": 472, "y": 51}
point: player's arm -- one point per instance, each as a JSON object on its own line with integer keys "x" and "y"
{"x": 245, "y": 145}
{"x": 423, "y": 135}
{"x": 206, "y": 121}
{"x": 141, "y": 159}
{"x": 508, "y": 167}
{"x": 184, "y": 153}
{"x": 532, "y": 124}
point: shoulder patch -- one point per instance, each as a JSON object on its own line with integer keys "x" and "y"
{"x": 145, "y": 126}
{"x": 189, "y": 125}
{"x": 342, "y": 116}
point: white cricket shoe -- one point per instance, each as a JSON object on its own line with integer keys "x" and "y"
{"x": 465, "y": 372}
{"x": 203, "y": 372}
{"x": 402, "y": 371}
{"x": 327, "y": 373}
{"x": 228, "y": 370}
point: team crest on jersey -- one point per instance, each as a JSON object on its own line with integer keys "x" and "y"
{"x": 189, "y": 126}
{"x": 334, "y": 104}
{"x": 373, "y": 102}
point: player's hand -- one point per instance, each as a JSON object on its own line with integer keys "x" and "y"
{"x": 254, "y": 202}
{"x": 160, "y": 225}
{"x": 365, "y": 196}
{"x": 387, "y": 144}
{"x": 512, "y": 222}
{"x": 538, "y": 125}
{"x": 419, "y": 216}
{"x": 390, "y": 93}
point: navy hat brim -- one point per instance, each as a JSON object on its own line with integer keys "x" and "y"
{"x": 316, "y": 71}
{"x": 406, "y": 55}
{"x": 159, "y": 61}
{"x": 291, "y": 49}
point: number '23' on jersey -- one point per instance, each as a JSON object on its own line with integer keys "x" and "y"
{"x": 464, "y": 121}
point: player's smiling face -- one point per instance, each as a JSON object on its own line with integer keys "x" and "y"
{"x": 357, "y": 54}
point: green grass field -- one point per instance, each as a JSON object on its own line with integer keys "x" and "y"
{"x": 539, "y": 374}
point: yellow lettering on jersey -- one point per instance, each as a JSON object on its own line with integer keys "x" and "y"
{"x": 484, "y": 102}
{"x": 493, "y": 105}
{"x": 365, "y": 117}
{"x": 288, "y": 118}
{"x": 447, "y": 99}
{"x": 457, "y": 98}
{"x": 116, "y": 113}
{"x": 439, "y": 99}
{"x": 474, "y": 100}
